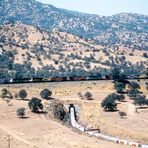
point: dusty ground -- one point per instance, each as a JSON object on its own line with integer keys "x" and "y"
{"x": 38, "y": 131}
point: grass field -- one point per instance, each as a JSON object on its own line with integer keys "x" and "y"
{"x": 38, "y": 131}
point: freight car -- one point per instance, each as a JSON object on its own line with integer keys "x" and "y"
{"x": 77, "y": 78}
{"x": 57, "y": 79}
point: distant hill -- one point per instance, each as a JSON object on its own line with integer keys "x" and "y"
{"x": 27, "y": 51}
{"x": 130, "y": 30}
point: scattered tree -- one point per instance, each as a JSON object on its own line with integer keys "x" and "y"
{"x": 109, "y": 103}
{"x": 16, "y": 96}
{"x": 145, "y": 55}
{"x": 7, "y": 96}
{"x": 133, "y": 89}
{"x": 122, "y": 114}
{"x": 140, "y": 100}
{"x": 118, "y": 75}
{"x": 20, "y": 112}
{"x": 80, "y": 95}
{"x": 114, "y": 96}
{"x": 22, "y": 94}
{"x": 134, "y": 85}
{"x": 121, "y": 98}
{"x": 59, "y": 111}
{"x": 119, "y": 86}
{"x": 133, "y": 93}
{"x": 88, "y": 95}
{"x": 35, "y": 105}
{"x": 46, "y": 94}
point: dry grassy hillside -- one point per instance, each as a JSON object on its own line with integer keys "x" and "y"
{"x": 60, "y": 50}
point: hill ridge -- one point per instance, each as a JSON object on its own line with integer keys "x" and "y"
{"x": 48, "y": 17}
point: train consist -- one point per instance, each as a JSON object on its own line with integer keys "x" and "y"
{"x": 53, "y": 79}
{"x": 62, "y": 79}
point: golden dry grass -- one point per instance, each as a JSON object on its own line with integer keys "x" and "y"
{"x": 37, "y": 130}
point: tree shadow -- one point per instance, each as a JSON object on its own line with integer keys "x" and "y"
{"x": 90, "y": 99}
{"x": 123, "y": 101}
{"x": 123, "y": 117}
{"x": 50, "y": 98}
{"x": 25, "y": 99}
{"x": 111, "y": 110}
{"x": 142, "y": 107}
{"x": 40, "y": 112}
{"x": 26, "y": 117}
{"x": 124, "y": 92}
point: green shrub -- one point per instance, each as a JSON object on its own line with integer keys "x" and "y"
{"x": 22, "y": 94}
{"x": 6, "y": 94}
{"x": 109, "y": 103}
{"x": 35, "y": 105}
{"x": 21, "y": 112}
{"x": 122, "y": 114}
{"x": 46, "y": 94}
{"x": 88, "y": 95}
{"x": 121, "y": 98}
{"x": 140, "y": 100}
{"x": 119, "y": 87}
{"x": 133, "y": 89}
{"x": 80, "y": 95}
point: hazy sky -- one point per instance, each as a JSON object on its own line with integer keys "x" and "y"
{"x": 102, "y": 7}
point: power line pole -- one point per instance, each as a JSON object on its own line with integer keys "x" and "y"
{"x": 8, "y": 141}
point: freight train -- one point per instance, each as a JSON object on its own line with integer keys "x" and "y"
{"x": 53, "y": 79}
{"x": 62, "y": 79}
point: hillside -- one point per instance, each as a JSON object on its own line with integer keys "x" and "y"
{"x": 125, "y": 29}
{"x": 27, "y": 51}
